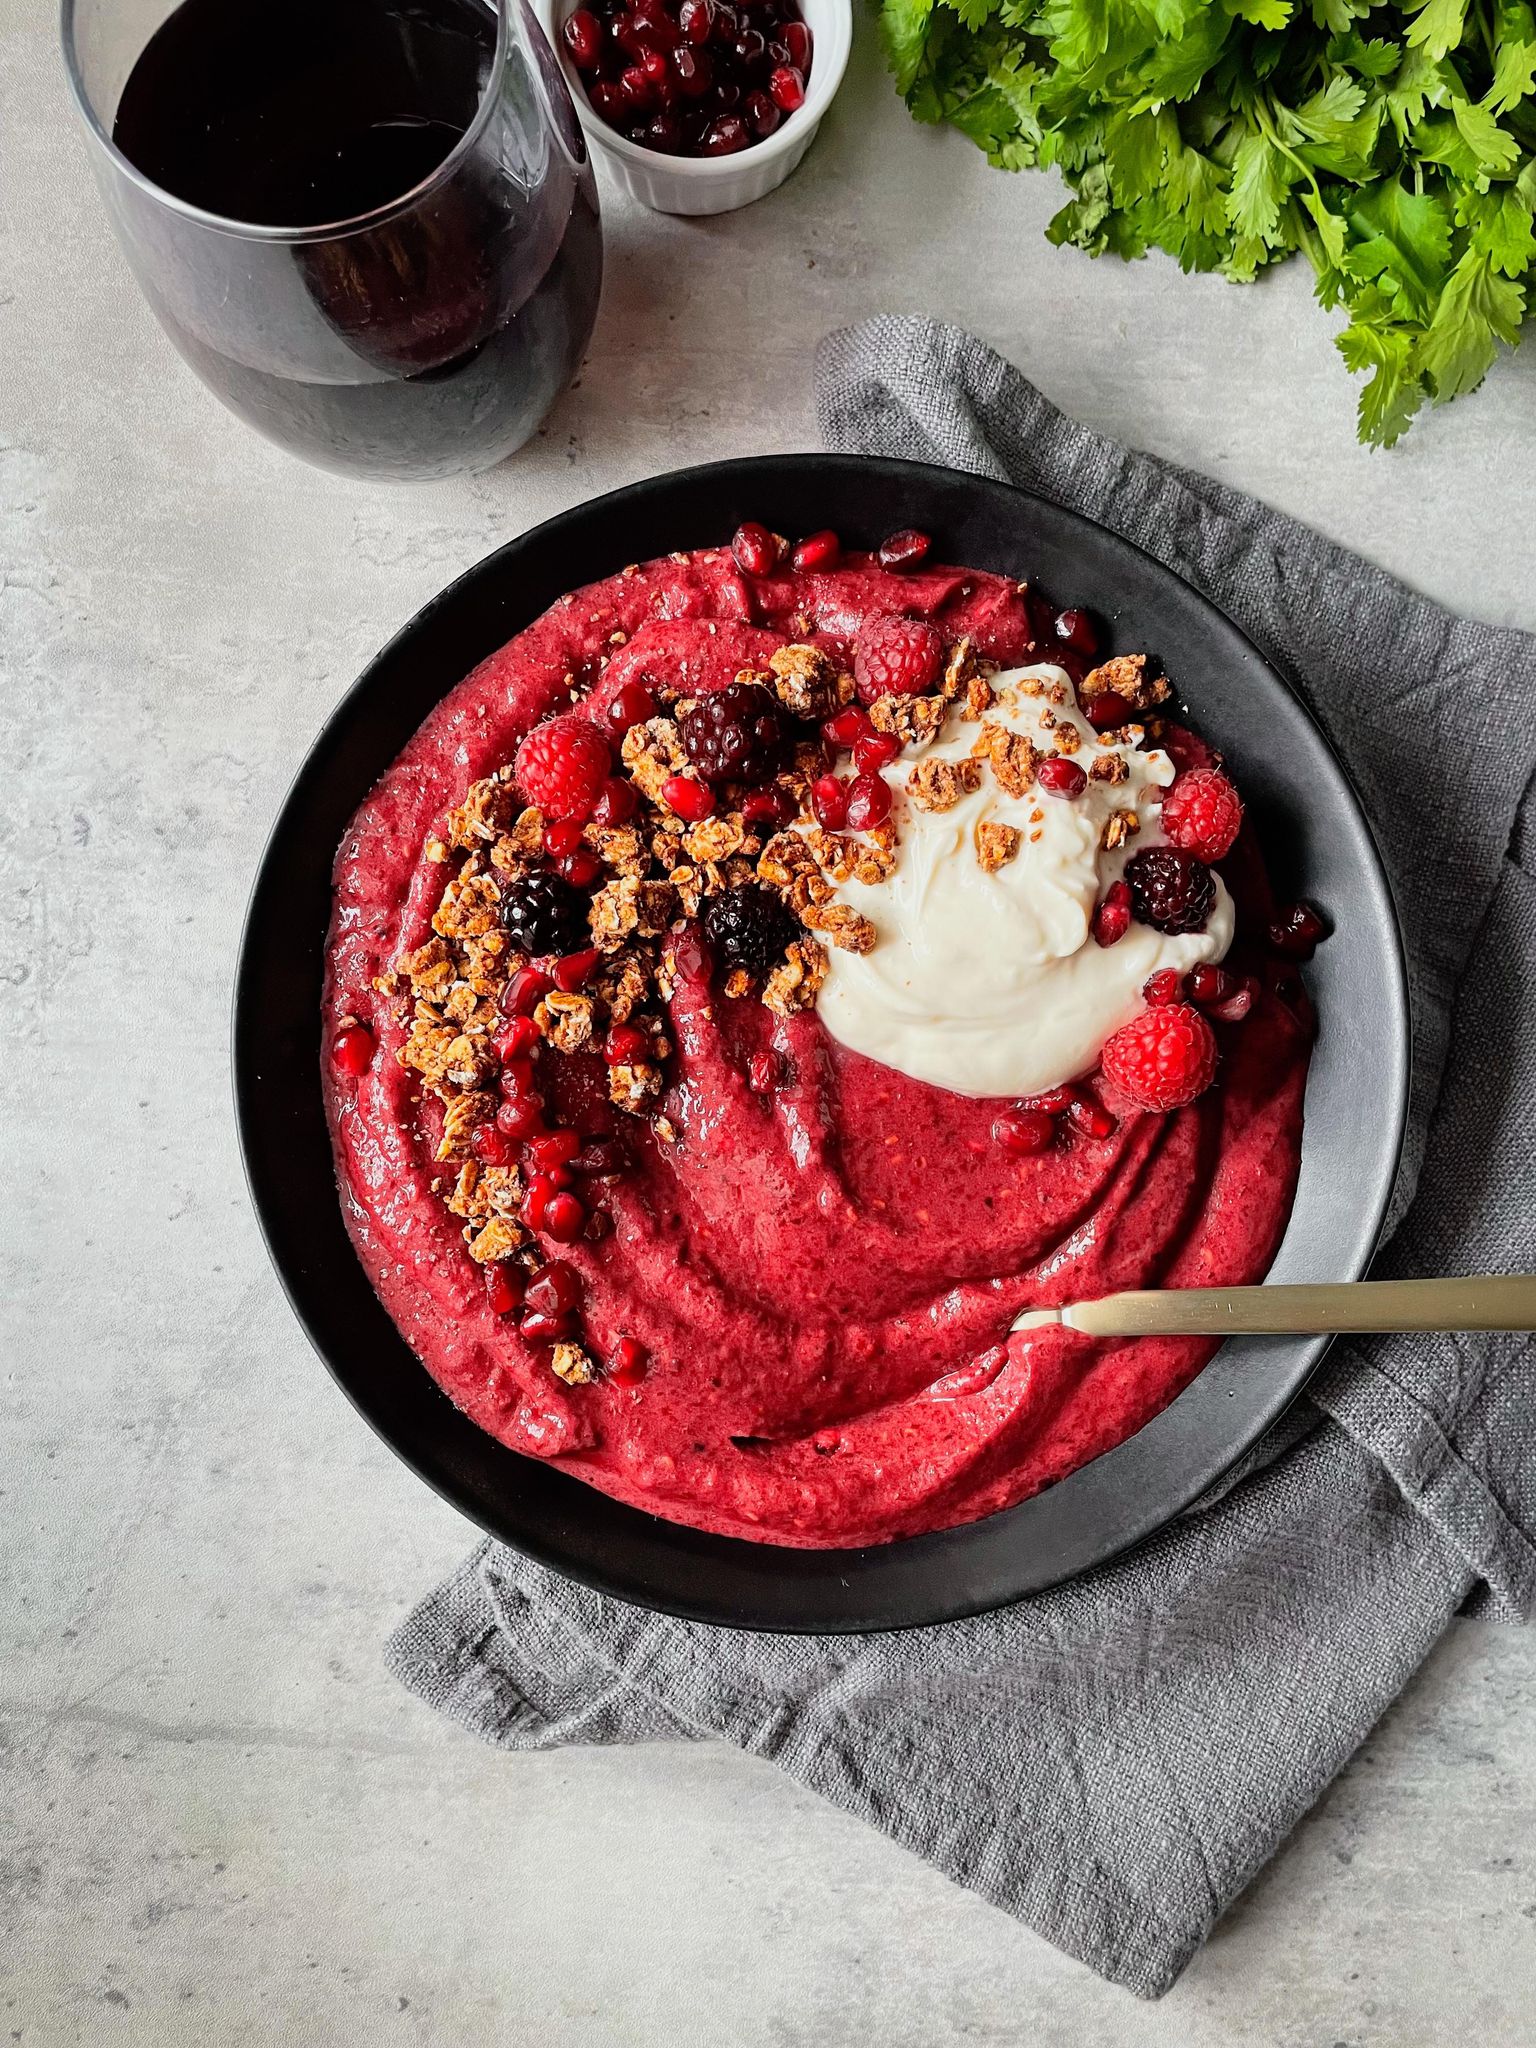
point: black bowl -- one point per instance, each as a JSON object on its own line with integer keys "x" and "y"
{"x": 1317, "y": 842}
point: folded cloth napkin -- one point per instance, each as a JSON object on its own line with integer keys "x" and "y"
{"x": 1114, "y": 1760}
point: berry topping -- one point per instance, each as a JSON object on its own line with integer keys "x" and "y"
{"x": 521, "y": 1037}
{"x": 1058, "y": 776}
{"x": 1024, "y": 1131}
{"x": 904, "y": 550}
{"x": 525, "y": 991}
{"x": 633, "y": 704}
{"x": 581, "y": 869}
{"x": 554, "y": 1290}
{"x": 1170, "y": 889}
{"x": 629, "y": 1362}
{"x": 829, "y": 800}
{"x": 1208, "y": 983}
{"x": 491, "y": 1145}
{"x": 503, "y": 1289}
{"x": 543, "y": 914}
{"x": 1162, "y": 1059}
{"x": 583, "y": 34}
{"x": 749, "y": 927}
{"x": 520, "y": 1116}
{"x": 766, "y": 807}
{"x": 787, "y": 88}
{"x": 1112, "y": 918}
{"x": 738, "y": 734}
{"x": 562, "y": 766}
{"x": 617, "y": 804}
{"x": 1105, "y": 711}
{"x": 353, "y": 1050}
{"x": 1077, "y": 630}
{"x": 874, "y": 751}
{"x": 897, "y": 657}
{"x": 849, "y": 727}
{"x": 1234, "y": 1007}
{"x": 818, "y": 550}
{"x": 626, "y": 1046}
{"x": 1297, "y": 931}
{"x": 869, "y": 803}
{"x": 574, "y": 970}
{"x": 1091, "y": 1118}
{"x": 1166, "y": 986}
{"x": 1202, "y": 813}
{"x": 756, "y": 550}
{"x": 565, "y": 1217}
{"x": 692, "y": 801}
{"x": 765, "y": 1072}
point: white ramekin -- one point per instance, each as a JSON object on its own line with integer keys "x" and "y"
{"x": 716, "y": 184}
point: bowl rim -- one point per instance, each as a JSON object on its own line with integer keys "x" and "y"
{"x": 739, "y": 1572}
{"x": 829, "y": 61}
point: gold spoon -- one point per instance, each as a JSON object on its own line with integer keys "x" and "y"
{"x": 1482, "y": 1301}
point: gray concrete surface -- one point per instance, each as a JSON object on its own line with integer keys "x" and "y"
{"x": 222, "y": 1824}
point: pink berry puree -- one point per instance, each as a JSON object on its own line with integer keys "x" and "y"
{"x": 801, "y": 1297}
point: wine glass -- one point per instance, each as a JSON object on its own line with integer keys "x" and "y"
{"x": 370, "y": 226}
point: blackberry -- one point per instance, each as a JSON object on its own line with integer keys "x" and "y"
{"x": 749, "y": 927}
{"x": 1170, "y": 889}
{"x": 738, "y": 734}
{"x": 544, "y": 914}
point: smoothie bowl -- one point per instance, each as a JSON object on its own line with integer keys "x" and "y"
{"x": 756, "y": 973}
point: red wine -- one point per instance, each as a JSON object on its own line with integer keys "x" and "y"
{"x": 415, "y": 331}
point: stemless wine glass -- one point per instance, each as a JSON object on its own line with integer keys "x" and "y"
{"x": 426, "y": 336}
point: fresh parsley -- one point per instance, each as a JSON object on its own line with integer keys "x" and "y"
{"x": 1394, "y": 146}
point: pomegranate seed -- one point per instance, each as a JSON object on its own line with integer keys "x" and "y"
{"x": 869, "y": 803}
{"x": 624, "y": 33}
{"x": 659, "y": 76}
{"x": 692, "y": 801}
{"x": 829, "y": 800}
{"x": 1091, "y": 1118}
{"x": 1058, "y": 776}
{"x": 876, "y": 750}
{"x": 517, "y": 1079}
{"x": 1078, "y": 630}
{"x": 635, "y": 88}
{"x": 655, "y": 30}
{"x": 756, "y": 550}
{"x": 522, "y": 1036}
{"x": 750, "y": 48}
{"x": 1054, "y": 1101}
{"x": 629, "y": 1360}
{"x": 725, "y": 136}
{"x": 555, "y": 1289}
{"x": 353, "y": 1050}
{"x": 765, "y": 807}
{"x": 617, "y": 804}
{"x": 1234, "y": 1008}
{"x": 690, "y": 955}
{"x": 1166, "y": 986}
{"x": 503, "y": 1289}
{"x": 1112, "y": 918}
{"x": 1208, "y": 984}
{"x": 694, "y": 72}
{"x": 787, "y": 88}
{"x": 525, "y": 991}
{"x": 536, "y": 1200}
{"x": 583, "y": 34}
{"x": 562, "y": 836}
{"x": 906, "y": 549}
{"x": 761, "y": 112}
{"x": 1105, "y": 711}
{"x": 632, "y": 705}
{"x": 564, "y": 1218}
{"x": 696, "y": 18}
{"x": 625, "y": 1046}
{"x": 1297, "y": 931}
{"x": 581, "y": 869}
{"x": 521, "y": 1116}
{"x": 539, "y": 1328}
{"x": 726, "y": 24}
{"x": 1024, "y": 1131}
{"x": 764, "y": 1071}
{"x": 849, "y": 727}
{"x": 798, "y": 42}
{"x": 575, "y": 970}
{"x": 818, "y": 551}
{"x": 554, "y": 1148}
{"x": 491, "y": 1145}
{"x": 607, "y": 101}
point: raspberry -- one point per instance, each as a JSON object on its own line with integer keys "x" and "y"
{"x": 1202, "y": 813}
{"x": 897, "y": 657}
{"x": 562, "y": 766}
{"x": 543, "y": 914}
{"x": 749, "y": 928}
{"x": 1163, "y": 1058}
{"x": 738, "y": 734}
{"x": 1170, "y": 889}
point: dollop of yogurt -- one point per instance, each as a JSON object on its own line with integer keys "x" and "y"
{"x": 992, "y": 983}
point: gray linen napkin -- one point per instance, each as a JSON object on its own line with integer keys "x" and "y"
{"x": 1113, "y": 1761}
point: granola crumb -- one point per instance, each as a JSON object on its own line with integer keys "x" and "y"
{"x": 571, "y": 1363}
{"x": 996, "y": 844}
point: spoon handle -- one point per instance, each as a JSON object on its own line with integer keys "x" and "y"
{"x": 1498, "y": 1301}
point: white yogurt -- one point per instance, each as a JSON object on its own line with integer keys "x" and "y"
{"x": 992, "y": 984}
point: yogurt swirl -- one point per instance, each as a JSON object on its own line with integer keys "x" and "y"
{"x": 992, "y": 983}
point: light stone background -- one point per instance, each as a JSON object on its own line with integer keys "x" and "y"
{"x": 222, "y": 1823}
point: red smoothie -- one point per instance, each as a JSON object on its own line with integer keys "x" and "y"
{"x": 815, "y": 1258}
